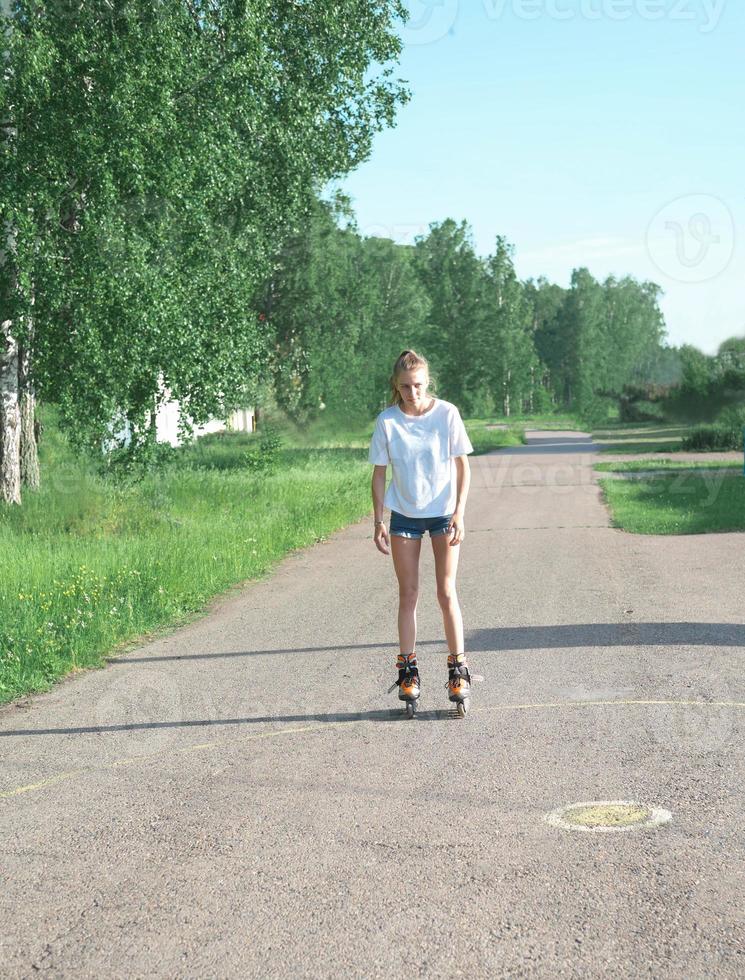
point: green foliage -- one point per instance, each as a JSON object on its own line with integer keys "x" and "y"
{"x": 732, "y": 417}
{"x": 608, "y": 332}
{"x": 341, "y": 308}
{"x": 641, "y": 402}
{"x": 262, "y": 458}
{"x": 508, "y": 345}
{"x": 709, "y": 384}
{"x": 162, "y": 154}
{"x": 684, "y": 503}
{"x": 727, "y": 433}
{"x": 714, "y": 438}
{"x": 86, "y": 564}
{"x": 660, "y": 368}
{"x": 164, "y": 186}
{"x": 486, "y": 440}
{"x": 454, "y": 279}
{"x": 640, "y": 437}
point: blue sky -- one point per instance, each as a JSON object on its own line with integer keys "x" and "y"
{"x": 604, "y": 133}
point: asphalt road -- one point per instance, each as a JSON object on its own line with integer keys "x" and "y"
{"x": 243, "y": 798}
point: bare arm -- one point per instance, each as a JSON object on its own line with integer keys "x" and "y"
{"x": 378, "y": 493}
{"x": 463, "y": 468}
{"x": 457, "y": 522}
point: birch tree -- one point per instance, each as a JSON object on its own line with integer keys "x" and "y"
{"x": 511, "y": 350}
{"x": 165, "y": 149}
{"x": 10, "y": 412}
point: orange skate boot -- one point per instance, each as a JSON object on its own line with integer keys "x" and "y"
{"x": 459, "y": 682}
{"x": 408, "y": 682}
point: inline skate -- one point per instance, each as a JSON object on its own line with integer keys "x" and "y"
{"x": 408, "y": 682}
{"x": 459, "y": 682}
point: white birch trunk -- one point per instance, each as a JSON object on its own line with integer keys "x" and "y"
{"x": 30, "y": 476}
{"x": 10, "y": 417}
{"x": 10, "y": 413}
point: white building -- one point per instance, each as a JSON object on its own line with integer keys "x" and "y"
{"x": 166, "y": 424}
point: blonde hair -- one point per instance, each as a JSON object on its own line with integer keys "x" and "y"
{"x": 407, "y": 360}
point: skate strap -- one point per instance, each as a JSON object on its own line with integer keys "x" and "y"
{"x": 458, "y": 670}
{"x": 399, "y": 681}
{"x": 406, "y": 665}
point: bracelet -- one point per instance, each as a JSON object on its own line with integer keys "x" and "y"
{"x": 379, "y": 522}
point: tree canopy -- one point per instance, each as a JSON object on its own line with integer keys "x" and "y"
{"x": 158, "y": 154}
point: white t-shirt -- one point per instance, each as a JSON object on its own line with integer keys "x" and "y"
{"x": 420, "y": 450}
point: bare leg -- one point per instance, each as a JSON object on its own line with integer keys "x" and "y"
{"x": 446, "y": 567}
{"x": 405, "y": 552}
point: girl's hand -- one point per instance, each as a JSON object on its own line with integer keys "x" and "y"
{"x": 382, "y": 541}
{"x": 457, "y": 529}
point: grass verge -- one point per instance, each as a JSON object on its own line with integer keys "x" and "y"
{"x": 683, "y": 503}
{"x": 642, "y": 465}
{"x": 640, "y": 438}
{"x": 87, "y": 568}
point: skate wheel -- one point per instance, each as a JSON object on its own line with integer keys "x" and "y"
{"x": 462, "y": 707}
{"x": 410, "y": 709}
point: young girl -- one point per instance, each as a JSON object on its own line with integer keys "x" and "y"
{"x": 425, "y": 441}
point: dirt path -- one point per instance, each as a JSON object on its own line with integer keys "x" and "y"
{"x": 242, "y": 798}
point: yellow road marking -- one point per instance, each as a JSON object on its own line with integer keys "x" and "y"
{"x": 330, "y": 724}
{"x": 45, "y": 782}
{"x": 574, "y": 704}
{"x": 139, "y": 758}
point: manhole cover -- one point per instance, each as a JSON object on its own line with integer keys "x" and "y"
{"x": 608, "y": 815}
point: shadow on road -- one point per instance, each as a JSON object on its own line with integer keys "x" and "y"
{"x": 491, "y": 641}
{"x": 500, "y": 639}
{"x": 329, "y": 717}
{"x": 577, "y": 442}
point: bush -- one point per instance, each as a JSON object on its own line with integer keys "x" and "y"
{"x": 263, "y": 457}
{"x": 641, "y": 402}
{"x": 543, "y": 402}
{"x": 594, "y": 412}
{"x": 732, "y": 417}
{"x": 713, "y": 438}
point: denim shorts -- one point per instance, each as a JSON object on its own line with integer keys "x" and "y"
{"x": 414, "y": 527}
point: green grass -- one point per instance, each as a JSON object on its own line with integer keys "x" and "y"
{"x": 649, "y": 437}
{"x": 485, "y": 440}
{"x": 683, "y": 503}
{"x": 568, "y": 422}
{"x": 88, "y": 568}
{"x": 642, "y": 465}
{"x": 85, "y": 566}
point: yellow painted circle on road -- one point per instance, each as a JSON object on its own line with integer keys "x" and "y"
{"x": 608, "y": 815}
